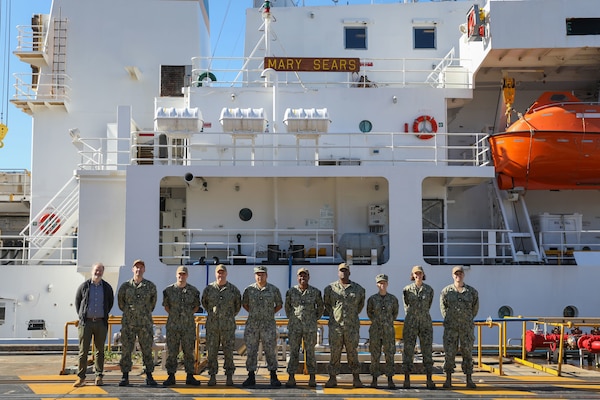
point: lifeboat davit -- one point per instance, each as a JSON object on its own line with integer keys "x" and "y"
{"x": 555, "y": 145}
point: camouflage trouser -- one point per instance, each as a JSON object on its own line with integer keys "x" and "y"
{"x": 310, "y": 340}
{"x": 144, "y": 336}
{"x": 425, "y": 334}
{"x": 376, "y": 343}
{"x": 184, "y": 339}
{"x": 338, "y": 338}
{"x": 266, "y": 333}
{"x": 452, "y": 338}
{"x": 220, "y": 337}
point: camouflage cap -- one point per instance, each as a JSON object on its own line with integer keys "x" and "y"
{"x": 182, "y": 268}
{"x": 301, "y": 270}
{"x": 136, "y": 262}
{"x": 260, "y": 268}
{"x": 381, "y": 277}
{"x": 221, "y": 267}
{"x": 457, "y": 269}
{"x": 417, "y": 268}
{"x": 343, "y": 266}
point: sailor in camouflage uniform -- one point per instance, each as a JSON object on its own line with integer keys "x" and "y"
{"x": 222, "y": 301}
{"x": 344, "y": 300}
{"x": 181, "y": 300}
{"x": 459, "y": 304}
{"x": 303, "y": 307}
{"x": 382, "y": 310}
{"x": 137, "y": 299}
{"x": 262, "y": 300}
{"x": 418, "y": 297}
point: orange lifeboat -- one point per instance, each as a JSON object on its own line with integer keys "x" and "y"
{"x": 555, "y": 145}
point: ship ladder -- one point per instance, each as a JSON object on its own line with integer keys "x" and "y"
{"x": 515, "y": 216}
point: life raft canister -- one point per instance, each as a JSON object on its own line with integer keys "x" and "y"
{"x": 425, "y": 126}
{"x": 49, "y": 224}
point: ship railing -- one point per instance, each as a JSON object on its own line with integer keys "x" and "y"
{"x": 42, "y": 88}
{"x": 31, "y": 39}
{"x": 466, "y": 246}
{"x": 440, "y": 72}
{"x": 290, "y": 149}
{"x": 188, "y": 246}
{"x": 559, "y": 246}
{"x": 492, "y": 246}
{"x": 15, "y": 250}
{"x": 482, "y": 151}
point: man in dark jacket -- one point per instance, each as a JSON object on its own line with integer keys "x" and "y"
{"x": 94, "y": 300}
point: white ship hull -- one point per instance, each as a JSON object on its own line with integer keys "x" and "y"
{"x": 172, "y": 176}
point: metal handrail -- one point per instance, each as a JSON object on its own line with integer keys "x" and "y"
{"x": 339, "y": 148}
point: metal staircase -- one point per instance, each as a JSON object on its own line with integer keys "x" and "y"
{"x": 514, "y": 217}
{"x": 51, "y": 232}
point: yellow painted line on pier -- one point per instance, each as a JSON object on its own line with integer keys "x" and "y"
{"x": 64, "y": 388}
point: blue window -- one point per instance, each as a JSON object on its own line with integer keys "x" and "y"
{"x": 355, "y": 38}
{"x": 424, "y": 38}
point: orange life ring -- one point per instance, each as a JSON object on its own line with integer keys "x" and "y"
{"x": 420, "y": 127}
{"x": 471, "y": 23}
{"x": 49, "y": 224}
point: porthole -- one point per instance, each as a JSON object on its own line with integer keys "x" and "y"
{"x": 365, "y": 126}
{"x": 245, "y": 214}
{"x": 505, "y": 311}
{"x": 570, "y": 312}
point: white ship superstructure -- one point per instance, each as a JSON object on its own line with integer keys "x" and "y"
{"x": 352, "y": 133}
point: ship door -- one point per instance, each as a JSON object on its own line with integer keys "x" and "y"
{"x": 433, "y": 224}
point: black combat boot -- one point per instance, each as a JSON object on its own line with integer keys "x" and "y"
{"x": 213, "y": 380}
{"x": 356, "y": 381}
{"x": 124, "y": 379}
{"x": 470, "y": 383}
{"x": 250, "y": 380}
{"x": 274, "y": 380}
{"x": 430, "y": 384}
{"x": 150, "y": 379}
{"x": 190, "y": 380}
{"x": 332, "y": 382}
{"x": 391, "y": 384}
{"x": 374, "y": 381}
{"x": 291, "y": 381}
{"x": 448, "y": 383}
{"x": 312, "y": 381}
{"x": 170, "y": 380}
{"x": 406, "y": 384}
